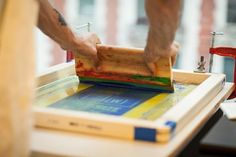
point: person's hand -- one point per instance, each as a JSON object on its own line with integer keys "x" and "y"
{"x": 86, "y": 46}
{"x": 152, "y": 55}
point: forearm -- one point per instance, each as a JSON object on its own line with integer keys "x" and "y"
{"x": 51, "y": 22}
{"x": 163, "y": 18}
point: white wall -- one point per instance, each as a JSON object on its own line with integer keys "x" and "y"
{"x": 99, "y": 25}
{"x": 71, "y": 12}
{"x": 127, "y": 15}
{"x": 43, "y": 49}
{"x": 220, "y": 16}
{"x": 44, "y": 43}
{"x": 191, "y": 24}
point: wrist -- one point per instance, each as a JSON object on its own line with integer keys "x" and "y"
{"x": 161, "y": 44}
{"x": 76, "y": 43}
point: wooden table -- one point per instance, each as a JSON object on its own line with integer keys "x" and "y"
{"x": 47, "y": 142}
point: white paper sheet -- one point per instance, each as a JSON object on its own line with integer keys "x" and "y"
{"x": 229, "y": 109}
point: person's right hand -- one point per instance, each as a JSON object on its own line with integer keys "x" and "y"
{"x": 86, "y": 46}
{"x": 152, "y": 54}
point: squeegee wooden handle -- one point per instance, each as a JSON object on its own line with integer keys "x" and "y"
{"x": 120, "y": 54}
{"x": 113, "y": 49}
{"x": 114, "y": 59}
{"x": 122, "y": 61}
{"x": 105, "y": 52}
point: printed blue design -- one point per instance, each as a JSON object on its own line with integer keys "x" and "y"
{"x": 107, "y": 100}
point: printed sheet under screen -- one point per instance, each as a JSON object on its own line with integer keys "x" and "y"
{"x": 69, "y": 94}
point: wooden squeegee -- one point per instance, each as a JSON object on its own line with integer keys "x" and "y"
{"x": 124, "y": 67}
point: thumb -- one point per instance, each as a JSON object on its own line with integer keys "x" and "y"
{"x": 153, "y": 66}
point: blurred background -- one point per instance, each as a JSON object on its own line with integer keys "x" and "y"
{"x": 123, "y": 22}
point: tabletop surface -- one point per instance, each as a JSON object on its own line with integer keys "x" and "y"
{"x": 221, "y": 139}
{"x": 48, "y": 142}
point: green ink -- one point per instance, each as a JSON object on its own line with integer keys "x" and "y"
{"x": 153, "y": 87}
{"x": 164, "y": 80}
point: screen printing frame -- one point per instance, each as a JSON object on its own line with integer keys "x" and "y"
{"x": 160, "y": 130}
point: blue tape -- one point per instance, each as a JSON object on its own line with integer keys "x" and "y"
{"x": 145, "y": 134}
{"x": 171, "y": 124}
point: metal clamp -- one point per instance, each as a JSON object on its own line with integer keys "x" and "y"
{"x": 212, "y": 46}
{"x": 201, "y": 66}
{"x": 88, "y": 25}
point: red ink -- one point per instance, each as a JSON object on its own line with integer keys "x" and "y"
{"x": 79, "y": 65}
{"x": 112, "y": 77}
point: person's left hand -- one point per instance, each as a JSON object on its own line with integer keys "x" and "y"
{"x": 86, "y": 46}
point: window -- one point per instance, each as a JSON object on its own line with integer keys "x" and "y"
{"x": 228, "y": 68}
{"x": 86, "y": 11}
{"x": 141, "y": 19}
{"x": 231, "y": 13}
{"x": 229, "y": 38}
